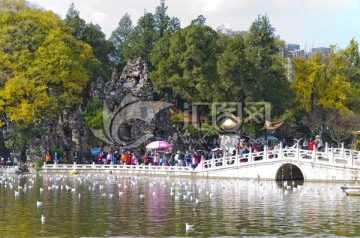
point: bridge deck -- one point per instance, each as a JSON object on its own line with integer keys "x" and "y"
{"x": 332, "y": 158}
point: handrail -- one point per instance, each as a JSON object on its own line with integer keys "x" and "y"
{"x": 330, "y": 156}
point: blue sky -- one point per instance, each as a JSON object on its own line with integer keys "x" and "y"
{"x": 309, "y": 23}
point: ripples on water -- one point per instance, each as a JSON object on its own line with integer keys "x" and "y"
{"x": 121, "y": 205}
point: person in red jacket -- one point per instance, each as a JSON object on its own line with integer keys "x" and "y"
{"x": 312, "y": 144}
{"x": 128, "y": 158}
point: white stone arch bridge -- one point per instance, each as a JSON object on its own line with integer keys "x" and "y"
{"x": 332, "y": 164}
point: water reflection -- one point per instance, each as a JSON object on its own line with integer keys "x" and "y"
{"x": 116, "y": 205}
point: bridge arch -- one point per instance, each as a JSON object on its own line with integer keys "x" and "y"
{"x": 289, "y": 171}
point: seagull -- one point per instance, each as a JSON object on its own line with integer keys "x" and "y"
{"x": 42, "y": 219}
{"x": 189, "y": 227}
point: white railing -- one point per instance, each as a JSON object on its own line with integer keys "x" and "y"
{"x": 94, "y": 166}
{"x": 330, "y": 156}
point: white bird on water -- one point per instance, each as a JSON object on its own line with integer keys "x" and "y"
{"x": 189, "y": 227}
{"x": 42, "y": 219}
{"x": 39, "y": 204}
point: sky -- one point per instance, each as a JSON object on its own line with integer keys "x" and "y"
{"x": 309, "y": 23}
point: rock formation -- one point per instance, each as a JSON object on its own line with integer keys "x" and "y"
{"x": 132, "y": 92}
{"x": 132, "y": 89}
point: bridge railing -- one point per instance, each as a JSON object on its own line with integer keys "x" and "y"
{"x": 331, "y": 156}
{"x": 94, "y": 166}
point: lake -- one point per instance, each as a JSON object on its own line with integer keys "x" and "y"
{"x": 113, "y": 205}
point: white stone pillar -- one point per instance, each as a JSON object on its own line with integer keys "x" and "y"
{"x": 250, "y": 155}
{"x": 314, "y": 154}
{"x": 265, "y": 153}
{"x": 297, "y": 153}
{"x": 237, "y": 159}
{"x": 332, "y": 158}
{"x": 326, "y": 147}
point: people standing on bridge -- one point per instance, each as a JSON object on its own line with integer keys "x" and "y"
{"x": 319, "y": 143}
{"x": 188, "y": 159}
{"x": 312, "y": 144}
{"x": 109, "y": 158}
{"x": 48, "y": 158}
{"x": 116, "y": 157}
{"x": 305, "y": 144}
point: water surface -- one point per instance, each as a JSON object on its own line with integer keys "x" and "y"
{"x": 104, "y": 205}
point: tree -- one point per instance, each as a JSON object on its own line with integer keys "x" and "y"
{"x": 142, "y": 39}
{"x": 199, "y": 21}
{"x": 267, "y": 72}
{"x": 42, "y": 66}
{"x": 191, "y": 69}
{"x": 348, "y": 60}
{"x": 120, "y": 39}
{"x": 327, "y": 84}
{"x": 341, "y": 125}
{"x": 233, "y": 69}
{"x": 75, "y": 22}
{"x": 162, "y": 19}
{"x": 150, "y": 29}
{"x": 100, "y": 65}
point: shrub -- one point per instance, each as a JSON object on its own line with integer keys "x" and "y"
{"x": 38, "y": 164}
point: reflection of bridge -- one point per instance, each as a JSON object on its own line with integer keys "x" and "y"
{"x": 333, "y": 164}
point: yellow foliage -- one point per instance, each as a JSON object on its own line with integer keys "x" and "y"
{"x": 41, "y": 64}
{"x": 321, "y": 81}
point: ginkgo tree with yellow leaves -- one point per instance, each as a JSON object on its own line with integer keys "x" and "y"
{"x": 41, "y": 69}
{"x": 41, "y": 65}
{"x": 325, "y": 84}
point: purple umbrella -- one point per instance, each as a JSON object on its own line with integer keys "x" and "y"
{"x": 158, "y": 145}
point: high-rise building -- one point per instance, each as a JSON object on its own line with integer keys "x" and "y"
{"x": 323, "y": 50}
{"x": 291, "y": 47}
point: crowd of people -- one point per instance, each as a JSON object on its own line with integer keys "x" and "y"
{"x": 315, "y": 143}
{"x": 192, "y": 158}
{"x": 186, "y": 158}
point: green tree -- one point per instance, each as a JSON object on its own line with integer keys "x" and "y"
{"x": 73, "y": 19}
{"x": 100, "y": 65}
{"x": 142, "y": 39}
{"x": 267, "y": 72}
{"x": 233, "y": 69}
{"x": 120, "y": 39}
{"x": 190, "y": 70}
